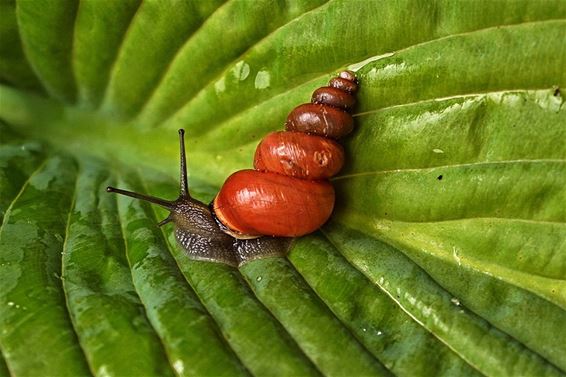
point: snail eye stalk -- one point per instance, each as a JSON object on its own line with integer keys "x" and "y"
{"x": 183, "y": 180}
{"x": 147, "y": 198}
{"x": 167, "y": 204}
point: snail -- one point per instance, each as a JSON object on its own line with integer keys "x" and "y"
{"x": 287, "y": 194}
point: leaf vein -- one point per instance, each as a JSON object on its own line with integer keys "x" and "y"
{"x": 114, "y": 64}
{"x": 456, "y": 96}
{"x": 63, "y": 277}
{"x": 348, "y": 328}
{"x": 457, "y": 166}
{"x": 400, "y": 305}
{"x": 167, "y": 69}
{"x": 209, "y": 83}
{"x": 169, "y": 247}
{"x": 22, "y": 189}
{"x": 242, "y": 110}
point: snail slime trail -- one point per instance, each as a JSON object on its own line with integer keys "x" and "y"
{"x": 287, "y": 194}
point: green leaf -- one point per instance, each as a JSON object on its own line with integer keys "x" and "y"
{"x": 14, "y": 68}
{"x": 446, "y": 253}
{"x": 46, "y": 30}
{"x": 34, "y": 312}
{"x": 4, "y": 372}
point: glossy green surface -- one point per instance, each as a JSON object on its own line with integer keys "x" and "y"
{"x": 381, "y": 326}
{"x": 18, "y": 159}
{"x": 437, "y": 310}
{"x": 308, "y": 320}
{"x": 445, "y": 256}
{"x": 190, "y": 338}
{"x": 106, "y": 311}
{"x": 33, "y": 315}
{"x": 142, "y": 58}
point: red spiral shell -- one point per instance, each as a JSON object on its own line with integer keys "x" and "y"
{"x": 288, "y": 195}
{"x": 299, "y": 155}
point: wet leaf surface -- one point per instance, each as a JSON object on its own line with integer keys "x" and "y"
{"x": 445, "y": 256}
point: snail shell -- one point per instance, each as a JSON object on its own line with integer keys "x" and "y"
{"x": 255, "y": 203}
{"x": 287, "y": 195}
{"x": 299, "y": 155}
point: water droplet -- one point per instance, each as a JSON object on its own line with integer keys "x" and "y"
{"x": 262, "y": 80}
{"x": 379, "y": 333}
{"x": 179, "y": 366}
{"x": 103, "y": 371}
{"x": 455, "y": 301}
{"x": 11, "y": 303}
{"x": 456, "y": 256}
{"x": 220, "y": 85}
{"x": 364, "y": 329}
{"x": 241, "y": 70}
{"x": 258, "y": 278}
{"x": 438, "y": 150}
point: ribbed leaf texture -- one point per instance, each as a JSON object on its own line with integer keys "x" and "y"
{"x": 445, "y": 256}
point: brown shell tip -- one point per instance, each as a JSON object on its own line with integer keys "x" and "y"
{"x": 348, "y": 75}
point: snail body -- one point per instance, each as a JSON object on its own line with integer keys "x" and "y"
{"x": 287, "y": 194}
